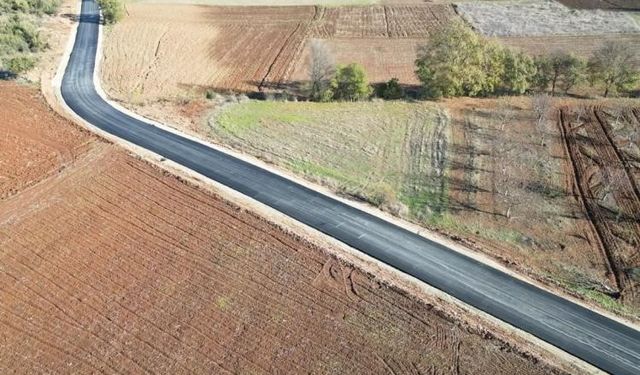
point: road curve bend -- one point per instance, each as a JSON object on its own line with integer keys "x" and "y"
{"x": 605, "y": 343}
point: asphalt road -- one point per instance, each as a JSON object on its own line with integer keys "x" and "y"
{"x": 605, "y": 343}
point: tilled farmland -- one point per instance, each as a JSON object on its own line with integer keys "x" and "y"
{"x": 180, "y": 51}
{"x": 116, "y": 267}
{"x": 604, "y": 179}
{"x": 33, "y": 142}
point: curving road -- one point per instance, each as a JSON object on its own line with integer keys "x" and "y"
{"x": 605, "y": 343}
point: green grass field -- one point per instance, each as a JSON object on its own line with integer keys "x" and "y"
{"x": 391, "y": 154}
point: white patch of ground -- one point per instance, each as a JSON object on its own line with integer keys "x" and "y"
{"x": 539, "y": 18}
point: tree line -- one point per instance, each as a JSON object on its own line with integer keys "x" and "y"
{"x": 458, "y": 62}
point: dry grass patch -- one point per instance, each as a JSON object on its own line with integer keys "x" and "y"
{"x": 391, "y": 154}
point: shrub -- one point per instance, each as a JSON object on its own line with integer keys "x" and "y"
{"x": 349, "y": 83}
{"x": 20, "y": 64}
{"x": 30, "y": 6}
{"x": 391, "y": 90}
{"x": 112, "y": 10}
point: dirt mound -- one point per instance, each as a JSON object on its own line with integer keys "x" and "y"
{"x": 34, "y": 142}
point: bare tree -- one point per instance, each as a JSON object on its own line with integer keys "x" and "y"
{"x": 504, "y": 113}
{"x": 542, "y": 105}
{"x": 321, "y": 68}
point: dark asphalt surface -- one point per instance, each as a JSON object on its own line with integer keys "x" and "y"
{"x": 605, "y": 343}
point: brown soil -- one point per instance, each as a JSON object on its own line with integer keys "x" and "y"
{"x": 35, "y": 143}
{"x": 583, "y": 46}
{"x": 605, "y": 182}
{"x": 536, "y": 223}
{"x": 114, "y": 266}
{"x": 181, "y": 51}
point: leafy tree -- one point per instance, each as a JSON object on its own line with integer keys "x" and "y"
{"x": 112, "y": 10}
{"x": 542, "y": 76}
{"x": 519, "y": 72}
{"x": 349, "y": 83}
{"x": 391, "y": 90}
{"x": 574, "y": 72}
{"x": 560, "y": 69}
{"x": 451, "y": 63}
{"x": 613, "y": 66}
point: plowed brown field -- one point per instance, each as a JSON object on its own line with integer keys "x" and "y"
{"x": 180, "y": 51}
{"x": 606, "y": 184}
{"x": 33, "y": 142}
{"x": 580, "y": 45}
{"x": 113, "y": 266}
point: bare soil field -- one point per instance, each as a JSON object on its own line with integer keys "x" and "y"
{"x": 540, "y": 18}
{"x": 580, "y": 45}
{"x": 34, "y": 142}
{"x": 181, "y": 51}
{"x": 400, "y": 21}
{"x": 605, "y": 181}
{"x": 602, "y": 4}
{"x": 381, "y": 58}
{"x": 116, "y": 267}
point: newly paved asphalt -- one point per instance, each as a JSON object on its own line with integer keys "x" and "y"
{"x": 600, "y": 341}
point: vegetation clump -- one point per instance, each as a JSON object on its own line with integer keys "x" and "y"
{"x": 112, "y": 10}
{"x": 459, "y": 62}
{"x": 20, "y": 39}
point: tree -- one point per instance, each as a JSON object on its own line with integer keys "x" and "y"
{"x": 391, "y": 90}
{"x": 112, "y": 10}
{"x": 573, "y": 72}
{"x": 350, "y": 83}
{"x": 519, "y": 71}
{"x": 321, "y": 69}
{"x": 560, "y": 69}
{"x": 451, "y": 63}
{"x": 613, "y": 66}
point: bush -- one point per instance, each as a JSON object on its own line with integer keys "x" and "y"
{"x": 30, "y": 6}
{"x": 112, "y": 10}
{"x": 349, "y": 83}
{"x": 391, "y": 90}
{"x": 20, "y": 64}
